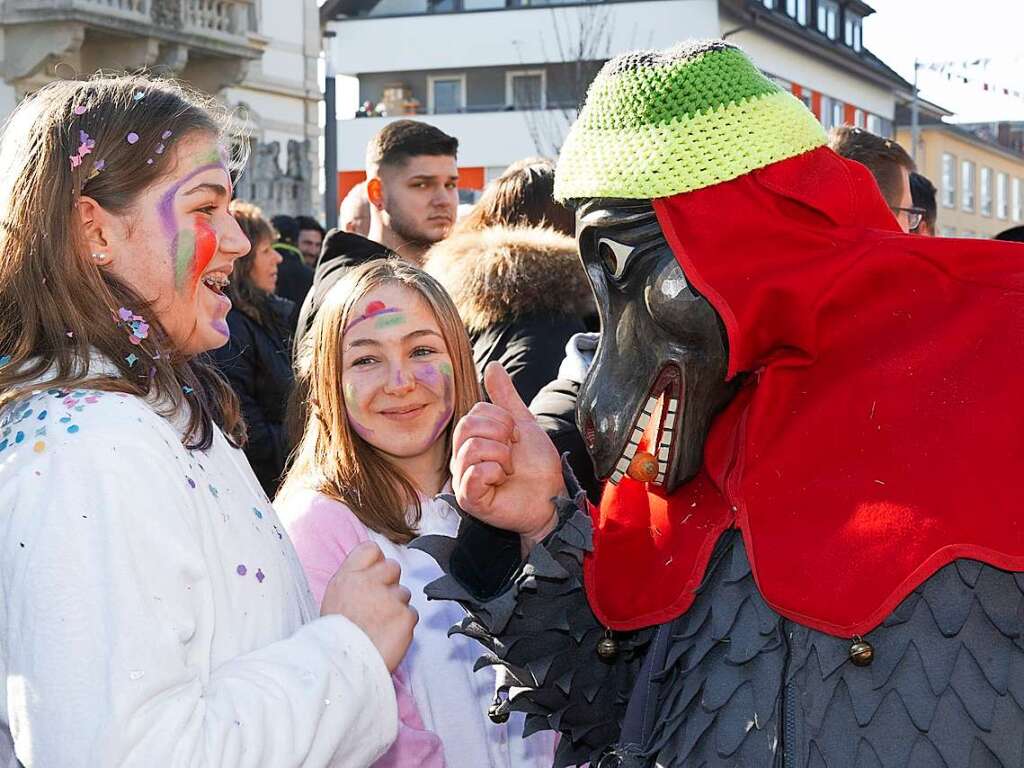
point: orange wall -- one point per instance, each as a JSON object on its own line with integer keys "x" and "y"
{"x": 469, "y": 178}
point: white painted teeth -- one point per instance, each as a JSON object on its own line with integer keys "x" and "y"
{"x": 664, "y": 442}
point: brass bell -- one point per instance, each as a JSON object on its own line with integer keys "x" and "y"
{"x": 862, "y": 653}
{"x": 607, "y": 647}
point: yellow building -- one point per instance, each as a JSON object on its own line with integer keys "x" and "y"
{"x": 978, "y": 182}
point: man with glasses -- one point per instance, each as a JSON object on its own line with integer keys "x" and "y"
{"x": 889, "y": 163}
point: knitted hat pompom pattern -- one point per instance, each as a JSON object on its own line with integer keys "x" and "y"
{"x": 661, "y": 122}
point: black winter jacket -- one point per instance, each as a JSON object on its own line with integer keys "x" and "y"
{"x": 257, "y": 364}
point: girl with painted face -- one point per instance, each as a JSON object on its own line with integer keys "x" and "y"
{"x": 387, "y": 372}
{"x": 154, "y": 612}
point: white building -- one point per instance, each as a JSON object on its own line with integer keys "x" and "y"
{"x": 506, "y": 77}
{"x": 259, "y": 56}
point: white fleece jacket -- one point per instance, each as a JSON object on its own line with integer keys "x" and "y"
{"x": 153, "y": 611}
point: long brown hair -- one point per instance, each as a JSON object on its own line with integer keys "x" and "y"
{"x": 57, "y": 308}
{"x": 251, "y": 301}
{"x": 331, "y": 457}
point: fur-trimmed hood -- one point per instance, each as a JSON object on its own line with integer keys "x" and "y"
{"x": 499, "y": 274}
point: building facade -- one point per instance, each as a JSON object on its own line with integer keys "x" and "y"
{"x": 258, "y": 56}
{"x": 979, "y": 182}
{"x": 506, "y": 77}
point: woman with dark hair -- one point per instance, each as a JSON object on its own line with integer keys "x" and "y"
{"x": 257, "y": 358}
{"x": 154, "y": 612}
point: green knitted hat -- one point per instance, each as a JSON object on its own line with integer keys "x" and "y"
{"x": 658, "y": 123}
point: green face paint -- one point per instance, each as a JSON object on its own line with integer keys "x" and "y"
{"x": 389, "y": 320}
{"x": 445, "y": 368}
{"x": 184, "y": 255}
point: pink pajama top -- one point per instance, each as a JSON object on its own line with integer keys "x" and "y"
{"x": 442, "y": 703}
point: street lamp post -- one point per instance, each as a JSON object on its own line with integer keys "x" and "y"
{"x": 915, "y": 120}
{"x": 330, "y": 136}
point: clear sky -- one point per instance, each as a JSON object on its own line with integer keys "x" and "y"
{"x": 953, "y": 30}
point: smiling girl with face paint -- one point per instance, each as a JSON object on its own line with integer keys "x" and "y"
{"x": 155, "y": 612}
{"x": 387, "y": 371}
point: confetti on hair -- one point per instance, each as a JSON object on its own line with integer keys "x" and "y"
{"x": 88, "y": 143}
{"x": 85, "y": 147}
{"x": 81, "y": 109}
{"x": 138, "y": 328}
{"x": 166, "y": 135}
{"x": 187, "y": 390}
{"x": 132, "y": 359}
{"x": 160, "y": 149}
{"x": 132, "y": 137}
{"x": 138, "y": 96}
{"x": 70, "y": 334}
{"x": 4, "y": 360}
{"x": 149, "y": 161}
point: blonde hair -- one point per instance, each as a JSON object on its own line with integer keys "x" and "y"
{"x": 57, "y": 308}
{"x": 331, "y": 457}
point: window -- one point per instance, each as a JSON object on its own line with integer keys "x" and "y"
{"x": 798, "y": 10}
{"x": 948, "y": 232}
{"x": 837, "y": 113}
{"x": 1015, "y": 189}
{"x": 874, "y": 124}
{"x": 525, "y": 89}
{"x": 768, "y": 3}
{"x": 852, "y": 31}
{"x": 1002, "y": 206}
{"x": 967, "y": 182}
{"x": 446, "y": 94}
{"x": 985, "y": 193}
{"x": 828, "y": 18}
{"x": 948, "y": 190}
{"x": 858, "y": 118}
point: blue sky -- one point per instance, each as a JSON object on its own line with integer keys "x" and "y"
{"x": 944, "y": 31}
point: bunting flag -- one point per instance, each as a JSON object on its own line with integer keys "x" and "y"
{"x": 953, "y": 70}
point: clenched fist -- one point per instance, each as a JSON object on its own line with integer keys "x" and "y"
{"x": 365, "y": 590}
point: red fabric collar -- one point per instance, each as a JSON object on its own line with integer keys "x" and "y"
{"x": 880, "y": 434}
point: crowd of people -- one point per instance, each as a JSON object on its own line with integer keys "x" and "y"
{"x": 222, "y": 429}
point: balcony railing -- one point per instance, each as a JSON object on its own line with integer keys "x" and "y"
{"x": 223, "y": 19}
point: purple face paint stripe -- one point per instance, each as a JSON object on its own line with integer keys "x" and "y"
{"x": 165, "y": 208}
{"x": 449, "y": 399}
{"x": 369, "y": 316}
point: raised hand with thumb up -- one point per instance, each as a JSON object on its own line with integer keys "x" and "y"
{"x": 505, "y": 469}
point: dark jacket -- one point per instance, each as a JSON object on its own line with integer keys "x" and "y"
{"x": 257, "y": 364}
{"x": 341, "y": 251}
{"x": 294, "y": 278}
{"x": 521, "y": 292}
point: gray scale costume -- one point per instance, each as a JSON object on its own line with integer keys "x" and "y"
{"x": 740, "y": 685}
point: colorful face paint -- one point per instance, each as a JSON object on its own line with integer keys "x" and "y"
{"x": 221, "y": 327}
{"x": 373, "y": 309}
{"x": 352, "y": 404}
{"x": 186, "y": 243}
{"x": 443, "y": 374}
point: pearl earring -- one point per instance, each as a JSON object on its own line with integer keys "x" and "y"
{"x": 99, "y": 257}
